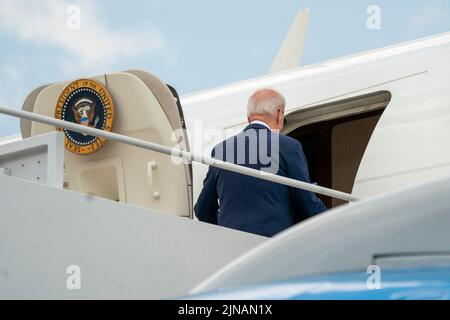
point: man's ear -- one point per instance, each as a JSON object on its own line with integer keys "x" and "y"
{"x": 279, "y": 117}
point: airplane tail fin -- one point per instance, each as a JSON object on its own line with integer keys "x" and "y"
{"x": 291, "y": 51}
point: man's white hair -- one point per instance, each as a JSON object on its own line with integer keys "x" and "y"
{"x": 265, "y": 101}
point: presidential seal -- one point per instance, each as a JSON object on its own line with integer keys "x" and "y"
{"x": 88, "y": 103}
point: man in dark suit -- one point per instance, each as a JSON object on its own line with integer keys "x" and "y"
{"x": 253, "y": 205}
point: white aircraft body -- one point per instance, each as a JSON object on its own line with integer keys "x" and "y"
{"x": 119, "y": 223}
{"x": 408, "y": 83}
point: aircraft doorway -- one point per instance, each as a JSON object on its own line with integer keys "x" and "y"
{"x": 335, "y": 136}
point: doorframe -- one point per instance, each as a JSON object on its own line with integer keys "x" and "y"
{"x": 336, "y": 109}
{"x": 333, "y": 111}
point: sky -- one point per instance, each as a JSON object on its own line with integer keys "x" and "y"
{"x": 192, "y": 45}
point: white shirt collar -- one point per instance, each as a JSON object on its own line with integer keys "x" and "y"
{"x": 261, "y": 123}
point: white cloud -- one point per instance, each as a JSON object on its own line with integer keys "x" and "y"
{"x": 92, "y": 48}
{"x": 38, "y": 47}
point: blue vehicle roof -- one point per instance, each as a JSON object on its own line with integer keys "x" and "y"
{"x": 400, "y": 284}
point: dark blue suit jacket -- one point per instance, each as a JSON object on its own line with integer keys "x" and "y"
{"x": 252, "y": 205}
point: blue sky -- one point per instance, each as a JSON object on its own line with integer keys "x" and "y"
{"x": 193, "y": 45}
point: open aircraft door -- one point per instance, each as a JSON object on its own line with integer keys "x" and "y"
{"x": 133, "y": 103}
